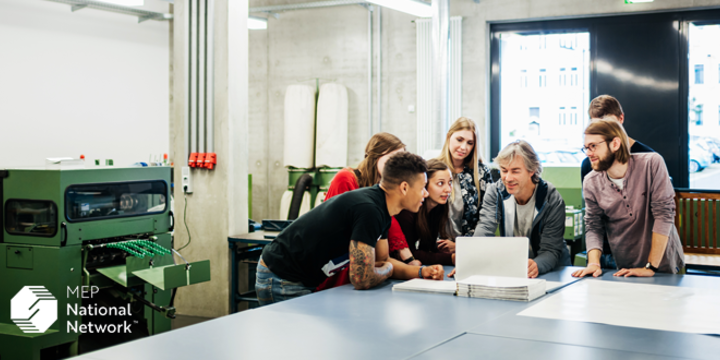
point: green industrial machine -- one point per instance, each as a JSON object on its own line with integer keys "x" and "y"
{"x": 90, "y": 249}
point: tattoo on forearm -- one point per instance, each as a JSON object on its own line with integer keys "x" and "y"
{"x": 363, "y": 273}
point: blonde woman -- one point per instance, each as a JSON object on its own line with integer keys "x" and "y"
{"x": 470, "y": 179}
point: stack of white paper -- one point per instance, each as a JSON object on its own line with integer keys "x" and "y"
{"x": 427, "y": 286}
{"x": 501, "y": 288}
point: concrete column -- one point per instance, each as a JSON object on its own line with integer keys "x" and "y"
{"x": 218, "y": 206}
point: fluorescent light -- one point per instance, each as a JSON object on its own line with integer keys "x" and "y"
{"x": 637, "y": 1}
{"x": 125, "y": 2}
{"x": 412, "y": 7}
{"x": 256, "y": 23}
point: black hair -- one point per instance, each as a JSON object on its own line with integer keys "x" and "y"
{"x": 403, "y": 166}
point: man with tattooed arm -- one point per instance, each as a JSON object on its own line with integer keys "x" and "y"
{"x": 344, "y": 231}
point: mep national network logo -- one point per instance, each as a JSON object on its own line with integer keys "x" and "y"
{"x": 34, "y": 309}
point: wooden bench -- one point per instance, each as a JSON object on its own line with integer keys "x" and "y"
{"x": 697, "y": 221}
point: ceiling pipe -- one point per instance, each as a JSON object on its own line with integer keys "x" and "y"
{"x": 310, "y": 5}
{"x": 441, "y": 84}
{"x": 370, "y": 71}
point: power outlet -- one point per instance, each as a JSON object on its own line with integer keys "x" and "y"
{"x": 186, "y": 184}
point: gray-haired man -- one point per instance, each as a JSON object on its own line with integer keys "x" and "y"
{"x": 523, "y": 204}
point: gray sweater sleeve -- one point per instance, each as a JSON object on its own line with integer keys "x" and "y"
{"x": 488, "y": 222}
{"x": 551, "y": 234}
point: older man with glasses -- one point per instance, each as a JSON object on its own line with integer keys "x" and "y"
{"x": 630, "y": 198}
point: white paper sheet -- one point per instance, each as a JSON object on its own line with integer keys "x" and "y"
{"x": 501, "y": 287}
{"x": 427, "y": 286}
{"x": 669, "y": 308}
{"x": 492, "y": 256}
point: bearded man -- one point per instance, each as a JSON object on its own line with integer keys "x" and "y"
{"x": 629, "y": 198}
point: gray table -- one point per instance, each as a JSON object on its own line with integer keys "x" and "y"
{"x": 381, "y": 324}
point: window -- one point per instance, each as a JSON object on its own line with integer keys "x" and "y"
{"x": 573, "y": 115}
{"x": 703, "y": 99}
{"x": 556, "y": 129}
{"x": 31, "y": 217}
{"x": 535, "y": 112}
{"x": 115, "y": 200}
{"x": 699, "y": 74}
{"x": 573, "y": 77}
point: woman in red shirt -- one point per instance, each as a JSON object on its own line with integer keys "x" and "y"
{"x": 378, "y": 150}
{"x": 423, "y": 229}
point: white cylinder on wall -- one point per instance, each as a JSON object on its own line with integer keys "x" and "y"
{"x": 299, "y": 126}
{"x": 332, "y": 126}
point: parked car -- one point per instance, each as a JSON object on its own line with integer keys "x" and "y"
{"x": 700, "y": 156}
{"x": 709, "y": 144}
{"x": 714, "y": 144}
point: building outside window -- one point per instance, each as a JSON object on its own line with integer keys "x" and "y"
{"x": 546, "y": 116}
{"x": 703, "y": 97}
{"x": 574, "y": 77}
{"x": 535, "y": 112}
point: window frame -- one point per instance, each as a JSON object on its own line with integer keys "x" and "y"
{"x": 67, "y": 203}
{"x": 17, "y": 233}
{"x": 680, "y": 19}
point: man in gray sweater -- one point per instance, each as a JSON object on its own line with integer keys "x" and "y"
{"x": 523, "y": 204}
{"x": 630, "y": 198}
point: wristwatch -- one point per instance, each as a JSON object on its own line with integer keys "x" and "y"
{"x": 649, "y": 266}
{"x": 409, "y": 260}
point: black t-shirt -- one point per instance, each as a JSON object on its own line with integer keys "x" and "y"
{"x": 586, "y": 168}
{"x": 316, "y": 245}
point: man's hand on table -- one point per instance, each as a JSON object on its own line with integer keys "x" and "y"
{"x": 640, "y": 272}
{"x": 433, "y": 272}
{"x": 591, "y": 269}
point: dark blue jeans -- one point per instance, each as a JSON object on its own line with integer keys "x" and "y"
{"x": 271, "y": 288}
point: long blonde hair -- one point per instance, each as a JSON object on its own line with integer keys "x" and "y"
{"x": 470, "y": 161}
{"x": 379, "y": 145}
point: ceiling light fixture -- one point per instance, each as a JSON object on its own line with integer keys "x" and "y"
{"x": 256, "y": 23}
{"x": 412, "y": 7}
{"x": 125, "y": 2}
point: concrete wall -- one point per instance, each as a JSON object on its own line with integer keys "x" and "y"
{"x": 331, "y": 43}
{"x": 217, "y": 208}
{"x": 87, "y": 82}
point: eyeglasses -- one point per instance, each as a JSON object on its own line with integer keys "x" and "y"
{"x": 590, "y": 147}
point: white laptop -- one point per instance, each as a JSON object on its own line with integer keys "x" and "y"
{"x": 491, "y": 256}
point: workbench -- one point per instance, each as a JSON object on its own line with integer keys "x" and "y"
{"x": 246, "y": 248}
{"x": 382, "y": 324}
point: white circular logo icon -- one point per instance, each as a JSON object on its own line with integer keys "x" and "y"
{"x": 33, "y": 309}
